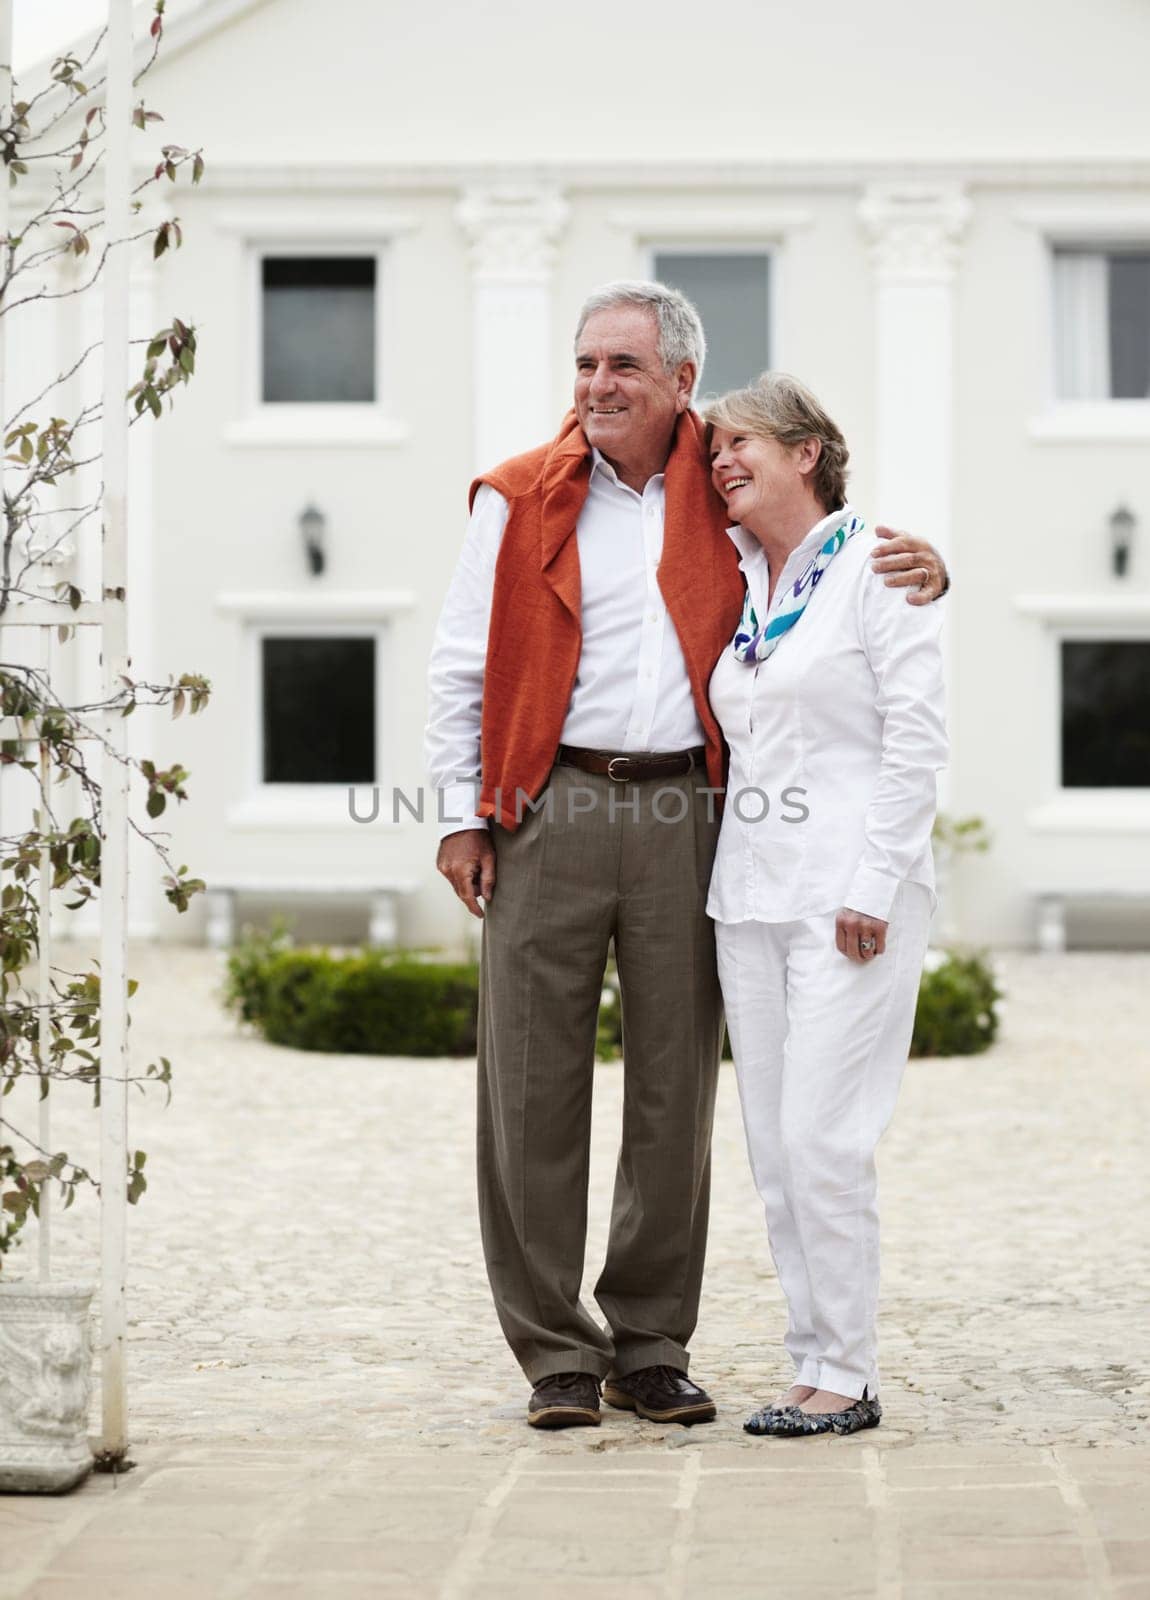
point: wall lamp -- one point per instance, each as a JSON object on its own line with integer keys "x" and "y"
{"x": 313, "y": 529}
{"x": 1123, "y": 524}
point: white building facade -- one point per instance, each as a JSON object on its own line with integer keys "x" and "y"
{"x": 943, "y": 226}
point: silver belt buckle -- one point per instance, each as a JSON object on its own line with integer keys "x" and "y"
{"x": 612, "y": 774}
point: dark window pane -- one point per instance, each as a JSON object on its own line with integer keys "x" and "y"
{"x": 319, "y": 710}
{"x": 1129, "y": 326}
{"x": 1106, "y": 714}
{"x": 730, "y": 293}
{"x": 318, "y": 328}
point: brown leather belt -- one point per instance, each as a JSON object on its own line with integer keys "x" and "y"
{"x": 632, "y": 768}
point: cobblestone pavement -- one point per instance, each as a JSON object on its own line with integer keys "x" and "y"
{"x": 321, "y": 1398}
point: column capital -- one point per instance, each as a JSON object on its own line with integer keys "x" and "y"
{"x": 915, "y": 230}
{"x": 512, "y": 230}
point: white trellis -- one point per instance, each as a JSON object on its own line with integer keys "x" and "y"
{"x": 108, "y": 614}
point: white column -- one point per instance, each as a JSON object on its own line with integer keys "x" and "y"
{"x": 915, "y": 233}
{"x": 513, "y": 232}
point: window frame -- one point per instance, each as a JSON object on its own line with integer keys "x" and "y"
{"x": 1104, "y": 618}
{"x": 328, "y": 799}
{"x": 1058, "y": 419}
{"x": 352, "y": 408}
{"x": 704, "y": 246}
{"x": 326, "y": 418}
{"x": 367, "y": 423}
{"x": 303, "y": 630}
{"x": 1094, "y": 636}
{"x": 256, "y": 804}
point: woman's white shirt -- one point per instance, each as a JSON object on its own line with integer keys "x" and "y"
{"x": 835, "y": 742}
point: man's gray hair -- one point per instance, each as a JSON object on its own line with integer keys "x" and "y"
{"x": 681, "y": 336}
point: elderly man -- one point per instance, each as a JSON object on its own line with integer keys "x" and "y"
{"x": 568, "y": 689}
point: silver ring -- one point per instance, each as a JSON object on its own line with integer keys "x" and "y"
{"x": 866, "y": 944}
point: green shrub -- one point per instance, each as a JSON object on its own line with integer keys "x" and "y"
{"x": 957, "y": 1011}
{"x": 374, "y": 1002}
{"x": 367, "y": 1003}
{"x": 249, "y": 960}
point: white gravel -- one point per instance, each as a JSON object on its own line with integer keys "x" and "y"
{"x": 306, "y": 1262}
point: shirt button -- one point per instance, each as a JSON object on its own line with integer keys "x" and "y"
{"x": 652, "y": 616}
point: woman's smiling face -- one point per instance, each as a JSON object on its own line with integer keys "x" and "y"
{"x": 758, "y": 477}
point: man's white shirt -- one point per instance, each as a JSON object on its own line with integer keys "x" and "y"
{"x": 846, "y": 720}
{"x": 631, "y": 692}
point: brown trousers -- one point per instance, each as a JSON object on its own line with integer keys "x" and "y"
{"x": 598, "y": 863}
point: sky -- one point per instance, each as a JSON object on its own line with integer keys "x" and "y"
{"x": 42, "y": 26}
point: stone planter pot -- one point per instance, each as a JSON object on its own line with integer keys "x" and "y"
{"x": 45, "y": 1386}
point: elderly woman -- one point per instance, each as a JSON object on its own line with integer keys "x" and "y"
{"x": 831, "y": 699}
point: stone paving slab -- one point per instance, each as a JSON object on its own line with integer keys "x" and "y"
{"x": 680, "y": 1528}
{"x": 322, "y": 1403}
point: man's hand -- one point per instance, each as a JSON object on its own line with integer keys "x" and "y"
{"x": 860, "y": 938}
{"x": 911, "y": 562}
{"x": 467, "y": 860}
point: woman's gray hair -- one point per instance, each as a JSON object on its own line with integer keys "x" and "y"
{"x": 777, "y": 406}
{"x": 681, "y": 336}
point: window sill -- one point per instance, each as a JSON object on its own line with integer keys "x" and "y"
{"x": 311, "y": 807}
{"x": 1126, "y": 609}
{"x": 1093, "y": 422}
{"x": 318, "y": 805}
{"x": 316, "y": 605}
{"x": 1093, "y": 811}
{"x": 318, "y": 425}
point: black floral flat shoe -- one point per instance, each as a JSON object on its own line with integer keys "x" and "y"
{"x": 790, "y": 1422}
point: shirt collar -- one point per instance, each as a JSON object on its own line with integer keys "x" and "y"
{"x": 600, "y": 465}
{"x": 749, "y": 547}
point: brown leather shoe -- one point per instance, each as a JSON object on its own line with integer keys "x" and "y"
{"x": 565, "y": 1400}
{"x": 661, "y": 1394}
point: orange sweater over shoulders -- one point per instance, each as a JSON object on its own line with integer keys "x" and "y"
{"x": 535, "y": 634}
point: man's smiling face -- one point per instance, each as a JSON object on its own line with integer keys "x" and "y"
{"x": 625, "y": 401}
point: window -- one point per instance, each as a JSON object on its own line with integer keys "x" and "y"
{"x": 318, "y": 709}
{"x": 1102, "y": 323}
{"x": 319, "y": 319}
{"x": 1106, "y": 714}
{"x": 731, "y": 290}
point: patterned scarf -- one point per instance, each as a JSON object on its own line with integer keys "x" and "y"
{"x": 753, "y": 644}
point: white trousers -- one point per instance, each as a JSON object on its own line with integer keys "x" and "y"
{"x": 820, "y": 1043}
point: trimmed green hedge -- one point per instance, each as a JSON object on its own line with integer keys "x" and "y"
{"x": 368, "y": 1003}
{"x": 375, "y": 1003}
{"x": 957, "y": 1011}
